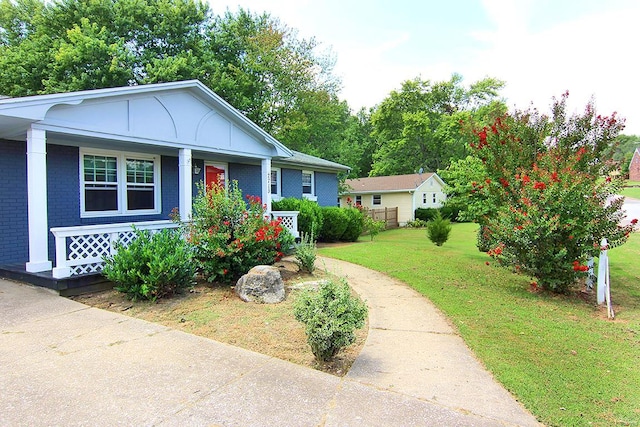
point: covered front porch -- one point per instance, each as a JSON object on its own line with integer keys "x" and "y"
{"x": 99, "y": 162}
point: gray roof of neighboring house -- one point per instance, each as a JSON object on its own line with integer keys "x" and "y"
{"x": 389, "y": 183}
{"x": 305, "y": 160}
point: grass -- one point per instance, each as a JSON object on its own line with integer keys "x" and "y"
{"x": 559, "y": 355}
{"x": 631, "y": 191}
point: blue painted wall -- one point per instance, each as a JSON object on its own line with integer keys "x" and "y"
{"x": 326, "y": 188}
{"x": 291, "y": 183}
{"x": 14, "y": 226}
{"x": 248, "y": 177}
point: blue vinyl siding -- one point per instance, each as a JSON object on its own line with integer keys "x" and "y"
{"x": 14, "y": 226}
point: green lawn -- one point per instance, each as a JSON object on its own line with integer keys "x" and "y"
{"x": 632, "y": 191}
{"x": 559, "y": 355}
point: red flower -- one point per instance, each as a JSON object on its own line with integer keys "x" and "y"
{"x": 487, "y": 262}
{"x": 488, "y": 181}
{"x": 504, "y": 182}
{"x": 526, "y": 179}
{"x": 634, "y": 221}
{"x": 554, "y": 177}
{"x": 539, "y": 185}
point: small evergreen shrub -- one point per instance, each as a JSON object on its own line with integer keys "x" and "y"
{"x": 438, "y": 230}
{"x": 152, "y": 266}
{"x": 330, "y": 315}
{"x": 355, "y": 225}
{"x": 373, "y": 227}
{"x": 310, "y": 217}
{"x": 305, "y": 257}
{"x": 334, "y": 225}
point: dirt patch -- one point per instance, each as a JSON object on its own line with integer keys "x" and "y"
{"x": 216, "y": 312}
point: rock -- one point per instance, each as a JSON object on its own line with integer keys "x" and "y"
{"x": 262, "y": 284}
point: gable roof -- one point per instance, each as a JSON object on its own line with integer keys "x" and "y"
{"x": 316, "y": 163}
{"x": 18, "y": 114}
{"x": 395, "y": 183}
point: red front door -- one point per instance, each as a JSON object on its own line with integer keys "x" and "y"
{"x": 213, "y": 175}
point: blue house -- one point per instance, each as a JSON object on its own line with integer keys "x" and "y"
{"x": 79, "y": 168}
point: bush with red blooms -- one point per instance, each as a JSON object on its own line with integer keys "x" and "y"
{"x": 230, "y": 236}
{"x": 550, "y": 190}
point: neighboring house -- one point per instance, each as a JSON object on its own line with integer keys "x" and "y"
{"x": 634, "y": 166}
{"x": 406, "y": 192}
{"x": 98, "y": 160}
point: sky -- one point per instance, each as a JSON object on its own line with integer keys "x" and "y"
{"x": 539, "y": 48}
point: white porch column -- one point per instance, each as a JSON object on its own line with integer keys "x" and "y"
{"x": 266, "y": 184}
{"x": 37, "y": 201}
{"x": 185, "y": 182}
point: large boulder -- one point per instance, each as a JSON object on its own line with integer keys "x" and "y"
{"x": 262, "y": 284}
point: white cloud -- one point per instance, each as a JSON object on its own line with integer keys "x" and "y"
{"x": 589, "y": 56}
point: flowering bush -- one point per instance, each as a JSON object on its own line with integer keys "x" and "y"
{"x": 230, "y": 236}
{"x": 550, "y": 192}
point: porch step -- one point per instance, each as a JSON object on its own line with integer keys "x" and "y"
{"x": 74, "y": 285}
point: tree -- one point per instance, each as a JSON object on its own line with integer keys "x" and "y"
{"x": 464, "y": 179}
{"x": 622, "y": 150}
{"x": 418, "y": 126}
{"x": 551, "y": 191}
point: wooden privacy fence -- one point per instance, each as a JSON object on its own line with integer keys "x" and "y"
{"x": 388, "y": 215}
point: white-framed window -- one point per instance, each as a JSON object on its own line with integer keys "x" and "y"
{"x": 276, "y": 187}
{"x": 116, "y": 183}
{"x": 359, "y": 200}
{"x": 434, "y": 199}
{"x": 308, "y": 190}
{"x": 424, "y": 198}
{"x": 376, "y": 200}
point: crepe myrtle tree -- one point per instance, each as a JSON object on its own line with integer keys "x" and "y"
{"x": 551, "y": 191}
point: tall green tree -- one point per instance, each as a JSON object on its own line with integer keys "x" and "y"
{"x": 419, "y": 125}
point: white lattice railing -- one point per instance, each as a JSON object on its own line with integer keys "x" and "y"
{"x": 288, "y": 219}
{"x": 82, "y": 249}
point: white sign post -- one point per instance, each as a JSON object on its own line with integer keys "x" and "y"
{"x": 604, "y": 290}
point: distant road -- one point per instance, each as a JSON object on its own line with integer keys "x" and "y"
{"x": 632, "y": 206}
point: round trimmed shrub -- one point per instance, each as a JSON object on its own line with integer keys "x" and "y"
{"x": 355, "y": 225}
{"x": 310, "y": 216}
{"x": 334, "y": 223}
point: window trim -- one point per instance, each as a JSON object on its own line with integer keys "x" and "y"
{"x": 278, "y": 194}
{"x": 358, "y": 199}
{"x": 312, "y": 194}
{"x": 373, "y": 200}
{"x": 121, "y": 184}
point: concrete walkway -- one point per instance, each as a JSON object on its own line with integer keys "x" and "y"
{"x": 64, "y": 363}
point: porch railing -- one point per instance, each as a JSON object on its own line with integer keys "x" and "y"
{"x": 288, "y": 219}
{"x": 81, "y": 249}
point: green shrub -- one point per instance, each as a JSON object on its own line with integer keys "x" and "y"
{"x": 373, "y": 227}
{"x": 229, "y": 237}
{"x": 306, "y": 253}
{"x": 418, "y": 223}
{"x": 151, "y": 266}
{"x": 450, "y": 212}
{"x": 355, "y": 225}
{"x": 331, "y": 315}
{"x": 310, "y": 217}
{"x": 426, "y": 214}
{"x": 438, "y": 229}
{"x": 334, "y": 223}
